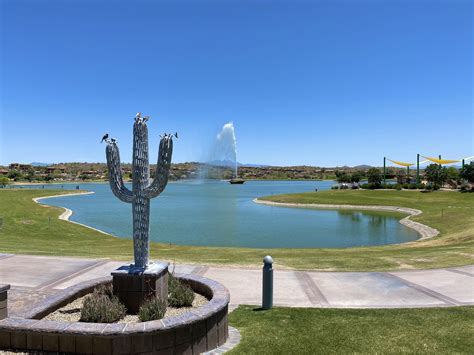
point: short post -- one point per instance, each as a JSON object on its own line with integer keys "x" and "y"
{"x": 267, "y": 286}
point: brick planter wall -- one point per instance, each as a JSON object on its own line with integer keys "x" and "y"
{"x": 4, "y": 300}
{"x": 194, "y": 332}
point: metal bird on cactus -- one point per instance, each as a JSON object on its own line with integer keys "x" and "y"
{"x": 142, "y": 190}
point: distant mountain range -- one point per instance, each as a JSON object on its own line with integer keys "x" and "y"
{"x": 230, "y": 163}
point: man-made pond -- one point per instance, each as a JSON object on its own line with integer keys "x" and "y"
{"x": 215, "y": 213}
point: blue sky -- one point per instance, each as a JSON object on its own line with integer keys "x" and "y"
{"x": 305, "y": 82}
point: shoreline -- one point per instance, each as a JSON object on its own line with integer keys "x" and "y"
{"x": 425, "y": 231}
{"x": 16, "y": 183}
{"x": 68, "y": 213}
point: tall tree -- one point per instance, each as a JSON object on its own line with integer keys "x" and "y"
{"x": 356, "y": 177}
{"x": 401, "y": 176}
{"x": 436, "y": 175}
{"x": 374, "y": 176}
{"x": 4, "y": 181}
{"x": 467, "y": 173}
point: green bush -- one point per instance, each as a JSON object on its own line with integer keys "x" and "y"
{"x": 398, "y": 187}
{"x": 374, "y": 177}
{"x": 152, "y": 309}
{"x": 101, "y": 306}
{"x": 371, "y": 186}
{"x": 334, "y": 187}
{"x": 431, "y": 187}
{"x": 179, "y": 293}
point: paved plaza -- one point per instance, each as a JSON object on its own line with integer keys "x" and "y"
{"x": 34, "y": 277}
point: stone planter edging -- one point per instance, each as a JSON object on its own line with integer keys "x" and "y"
{"x": 199, "y": 330}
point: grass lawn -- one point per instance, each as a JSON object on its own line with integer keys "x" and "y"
{"x": 29, "y": 228}
{"x": 344, "y": 331}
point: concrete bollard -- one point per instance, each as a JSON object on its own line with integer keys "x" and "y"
{"x": 267, "y": 286}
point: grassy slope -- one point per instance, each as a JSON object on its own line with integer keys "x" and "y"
{"x": 344, "y": 331}
{"x": 26, "y": 230}
{"x": 452, "y": 213}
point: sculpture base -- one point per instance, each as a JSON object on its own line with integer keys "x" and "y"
{"x": 134, "y": 285}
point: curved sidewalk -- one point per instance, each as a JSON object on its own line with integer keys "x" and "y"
{"x": 36, "y": 277}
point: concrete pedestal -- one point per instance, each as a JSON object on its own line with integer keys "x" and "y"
{"x": 134, "y": 285}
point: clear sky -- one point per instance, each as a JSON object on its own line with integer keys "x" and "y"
{"x": 305, "y": 82}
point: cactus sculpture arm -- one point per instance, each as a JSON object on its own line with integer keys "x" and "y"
{"x": 115, "y": 174}
{"x": 142, "y": 190}
{"x": 162, "y": 168}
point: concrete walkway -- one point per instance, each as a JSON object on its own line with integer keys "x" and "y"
{"x": 35, "y": 277}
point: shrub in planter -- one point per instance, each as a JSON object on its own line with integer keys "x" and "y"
{"x": 179, "y": 293}
{"x": 152, "y": 309}
{"x": 101, "y": 306}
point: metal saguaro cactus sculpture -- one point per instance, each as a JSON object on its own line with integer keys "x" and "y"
{"x": 142, "y": 189}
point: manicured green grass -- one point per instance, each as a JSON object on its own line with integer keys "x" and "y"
{"x": 29, "y": 228}
{"x": 347, "y": 331}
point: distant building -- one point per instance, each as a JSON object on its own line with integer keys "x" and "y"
{"x": 56, "y": 169}
{"x": 3, "y": 172}
{"x": 16, "y": 166}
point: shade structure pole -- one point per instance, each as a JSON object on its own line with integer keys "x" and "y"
{"x": 418, "y": 168}
{"x": 384, "y": 169}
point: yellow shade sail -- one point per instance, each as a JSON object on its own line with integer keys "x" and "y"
{"x": 469, "y": 158}
{"x": 441, "y": 161}
{"x": 401, "y": 163}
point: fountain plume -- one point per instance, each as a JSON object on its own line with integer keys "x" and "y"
{"x": 226, "y": 144}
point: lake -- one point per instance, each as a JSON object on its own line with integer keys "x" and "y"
{"x": 215, "y": 213}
